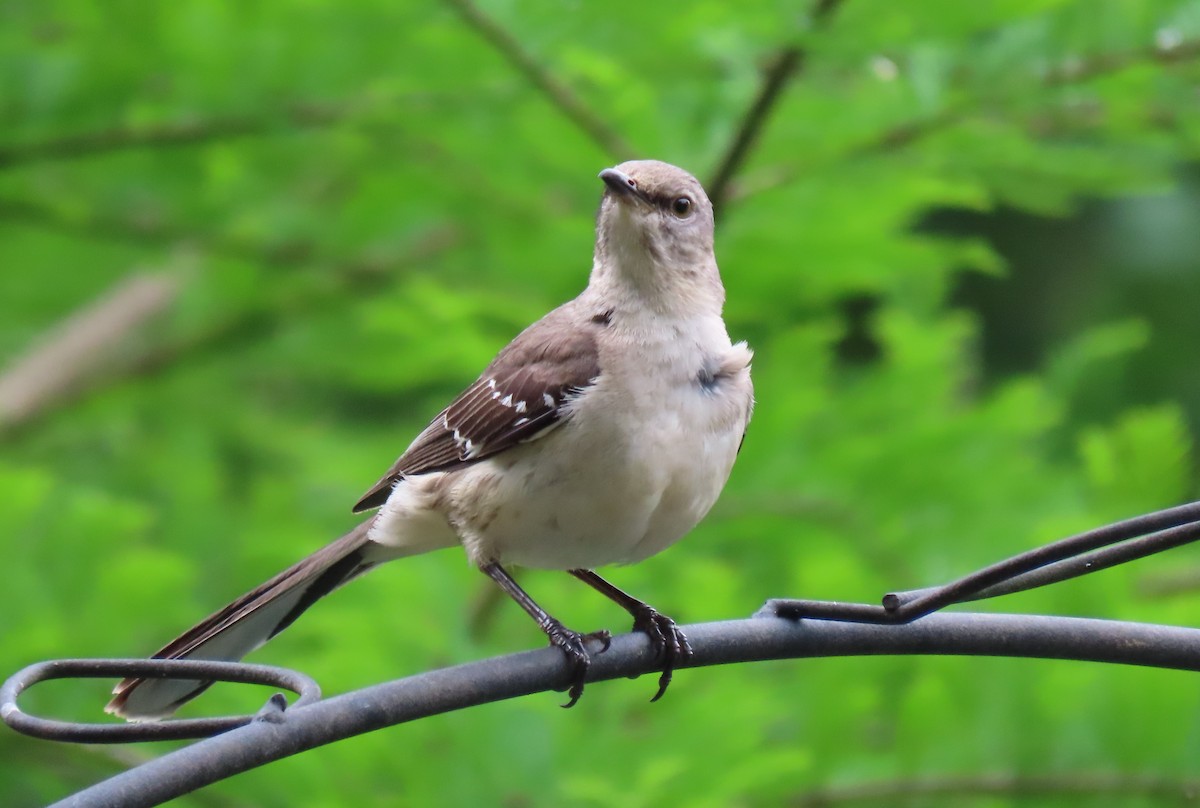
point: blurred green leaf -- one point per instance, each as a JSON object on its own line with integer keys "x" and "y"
{"x": 362, "y": 203}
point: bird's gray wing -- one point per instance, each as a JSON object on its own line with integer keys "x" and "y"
{"x": 522, "y": 394}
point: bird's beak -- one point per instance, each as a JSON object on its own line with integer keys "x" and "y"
{"x": 622, "y": 185}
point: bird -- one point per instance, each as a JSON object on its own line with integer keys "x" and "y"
{"x": 601, "y": 435}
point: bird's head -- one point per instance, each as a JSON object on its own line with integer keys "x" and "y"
{"x": 655, "y": 232}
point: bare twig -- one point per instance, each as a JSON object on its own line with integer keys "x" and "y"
{"x": 68, "y": 355}
{"x": 561, "y": 96}
{"x": 783, "y": 67}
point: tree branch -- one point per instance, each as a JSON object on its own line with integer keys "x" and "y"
{"x": 561, "y": 96}
{"x": 69, "y": 353}
{"x": 782, "y": 68}
{"x": 355, "y": 275}
{"x": 788, "y": 63}
{"x": 759, "y": 638}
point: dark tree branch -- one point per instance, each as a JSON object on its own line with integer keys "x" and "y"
{"x": 782, "y": 68}
{"x": 561, "y": 96}
{"x": 755, "y": 639}
{"x": 787, "y": 64}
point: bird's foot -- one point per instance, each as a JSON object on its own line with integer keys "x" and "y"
{"x": 670, "y": 644}
{"x": 573, "y": 644}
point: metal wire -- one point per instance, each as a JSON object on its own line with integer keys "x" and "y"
{"x": 1068, "y": 568}
{"x": 758, "y": 638}
{"x": 1050, "y": 563}
{"x": 490, "y": 680}
{"x": 179, "y": 729}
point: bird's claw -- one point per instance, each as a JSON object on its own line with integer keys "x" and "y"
{"x": 670, "y": 644}
{"x": 573, "y": 644}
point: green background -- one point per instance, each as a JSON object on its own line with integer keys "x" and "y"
{"x": 963, "y": 245}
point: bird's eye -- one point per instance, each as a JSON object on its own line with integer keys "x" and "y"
{"x": 682, "y": 207}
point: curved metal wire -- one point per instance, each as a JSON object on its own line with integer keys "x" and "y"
{"x": 490, "y": 680}
{"x": 1058, "y": 561}
{"x": 759, "y": 638}
{"x": 174, "y": 730}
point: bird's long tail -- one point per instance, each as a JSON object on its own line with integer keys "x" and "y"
{"x": 248, "y": 622}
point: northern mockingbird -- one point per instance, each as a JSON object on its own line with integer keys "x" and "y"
{"x": 600, "y": 435}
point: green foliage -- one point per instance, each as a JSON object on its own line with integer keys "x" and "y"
{"x": 357, "y": 204}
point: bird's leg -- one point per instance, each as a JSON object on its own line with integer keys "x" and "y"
{"x": 671, "y": 646}
{"x": 572, "y": 643}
